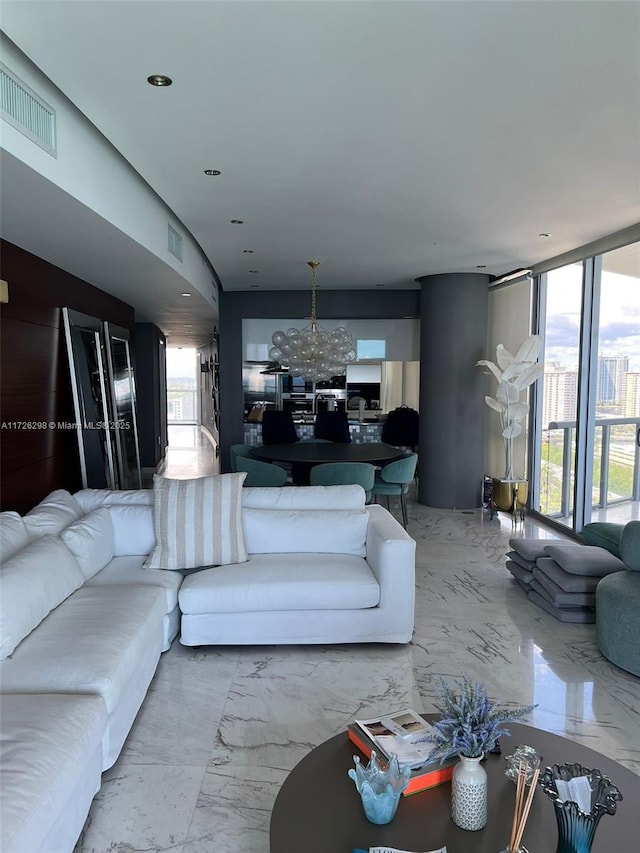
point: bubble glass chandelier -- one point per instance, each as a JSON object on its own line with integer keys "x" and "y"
{"x": 314, "y": 353}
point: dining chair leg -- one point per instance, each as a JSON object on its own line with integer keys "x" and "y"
{"x": 403, "y": 503}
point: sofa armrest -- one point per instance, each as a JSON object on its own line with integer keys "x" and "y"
{"x": 391, "y": 555}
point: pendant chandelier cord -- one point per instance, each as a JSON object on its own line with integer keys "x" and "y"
{"x": 314, "y": 297}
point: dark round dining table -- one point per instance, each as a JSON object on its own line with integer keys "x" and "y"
{"x": 302, "y": 455}
{"x": 318, "y": 809}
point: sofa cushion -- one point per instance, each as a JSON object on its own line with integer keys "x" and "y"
{"x": 133, "y": 529}
{"x": 585, "y": 560}
{"x": 50, "y": 756}
{"x": 197, "y": 522}
{"x": 57, "y": 511}
{"x": 90, "y": 540}
{"x": 34, "y": 581}
{"x": 14, "y": 534}
{"x": 282, "y": 582}
{"x": 93, "y": 498}
{"x": 304, "y": 497}
{"x": 129, "y": 570}
{"x": 280, "y": 531}
{"x": 92, "y": 643}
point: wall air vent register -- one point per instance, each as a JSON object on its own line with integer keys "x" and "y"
{"x": 26, "y": 111}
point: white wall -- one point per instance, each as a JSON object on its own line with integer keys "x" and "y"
{"x": 90, "y": 169}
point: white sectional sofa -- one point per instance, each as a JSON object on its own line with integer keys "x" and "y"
{"x": 322, "y": 568}
{"x": 82, "y": 627}
{"x": 83, "y": 624}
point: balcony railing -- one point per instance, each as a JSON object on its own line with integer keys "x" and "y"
{"x": 182, "y": 406}
{"x": 616, "y": 466}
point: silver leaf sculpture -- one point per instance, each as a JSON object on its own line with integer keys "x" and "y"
{"x": 514, "y": 374}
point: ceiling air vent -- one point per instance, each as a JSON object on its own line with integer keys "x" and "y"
{"x": 175, "y": 243}
{"x": 28, "y": 113}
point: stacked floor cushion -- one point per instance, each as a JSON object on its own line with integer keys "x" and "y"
{"x": 561, "y": 577}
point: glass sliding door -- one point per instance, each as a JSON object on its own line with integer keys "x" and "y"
{"x": 586, "y": 447}
{"x": 616, "y": 454}
{"x": 561, "y": 310}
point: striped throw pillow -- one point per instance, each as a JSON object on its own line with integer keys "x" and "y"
{"x": 197, "y": 522}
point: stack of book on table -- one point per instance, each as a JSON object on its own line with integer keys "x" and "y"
{"x": 404, "y": 734}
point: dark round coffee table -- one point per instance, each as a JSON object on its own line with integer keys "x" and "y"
{"x": 302, "y": 456}
{"x": 318, "y": 809}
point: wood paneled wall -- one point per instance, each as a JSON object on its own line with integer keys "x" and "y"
{"x": 35, "y": 387}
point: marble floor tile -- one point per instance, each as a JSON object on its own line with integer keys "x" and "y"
{"x": 234, "y": 809}
{"x": 179, "y": 718}
{"x": 142, "y": 808}
{"x": 221, "y": 727}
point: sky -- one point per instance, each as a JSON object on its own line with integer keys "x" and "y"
{"x": 180, "y": 362}
{"x": 619, "y": 316}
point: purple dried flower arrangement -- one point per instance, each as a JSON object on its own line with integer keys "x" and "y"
{"x": 471, "y": 723}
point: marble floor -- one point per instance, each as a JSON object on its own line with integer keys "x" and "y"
{"x": 221, "y": 727}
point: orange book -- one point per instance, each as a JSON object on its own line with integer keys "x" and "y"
{"x": 420, "y": 779}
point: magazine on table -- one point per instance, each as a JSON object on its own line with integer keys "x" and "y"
{"x": 404, "y": 733}
{"x": 423, "y": 777}
{"x": 393, "y": 850}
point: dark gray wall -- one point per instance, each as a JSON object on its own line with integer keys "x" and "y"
{"x": 332, "y": 305}
{"x": 151, "y": 393}
{"x": 453, "y": 331}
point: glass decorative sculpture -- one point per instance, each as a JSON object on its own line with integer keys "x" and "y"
{"x": 524, "y": 756}
{"x": 577, "y": 826}
{"x": 379, "y": 786}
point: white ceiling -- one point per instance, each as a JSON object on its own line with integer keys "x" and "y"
{"x": 387, "y": 139}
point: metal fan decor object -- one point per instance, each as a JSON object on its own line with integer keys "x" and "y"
{"x": 314, "y": 353}
{"x": 514, "y": 374}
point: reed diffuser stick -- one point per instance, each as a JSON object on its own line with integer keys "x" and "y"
{"x": 516, "y": 810}
{"x": 527, "y": 808}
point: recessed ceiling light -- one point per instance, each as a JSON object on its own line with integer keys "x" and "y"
{"x": 211, "y": 172}
{"x": 159, "y": 80}
{"x": 237, "y": 221}
{"x": 379, "y": 285}
{"x": 185, "y": 294}
{"x": 247, "y": 251}
{"x": 253, "y": 271}
{"x": 544, "y": 234}
{"x": 255, "y": 285}
{"x": 481, "y": 266}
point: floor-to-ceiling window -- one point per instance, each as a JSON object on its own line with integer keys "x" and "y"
{"x": 586, "y": 445}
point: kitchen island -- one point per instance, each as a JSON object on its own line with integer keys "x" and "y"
{"x": 367, "y": 432}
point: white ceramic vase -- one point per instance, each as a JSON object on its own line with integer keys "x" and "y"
{"x": 469, "y": 793}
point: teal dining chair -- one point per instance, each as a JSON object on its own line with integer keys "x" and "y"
{"x": 344, "y": 474}
{"x": 261, "y": 473}
{"x": 236, "y": 451}
{"x": 395, "y": 479}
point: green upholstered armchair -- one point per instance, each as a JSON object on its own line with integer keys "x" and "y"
{"x": 618, "y": 606}
{"x": 261, "y": 473}
{"x": 344, "y": 474}
{"x": 394, "y": 479}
